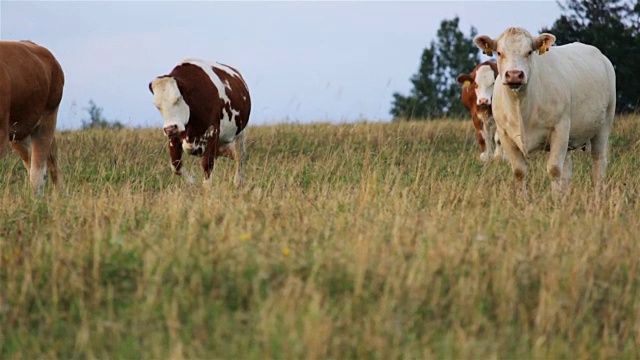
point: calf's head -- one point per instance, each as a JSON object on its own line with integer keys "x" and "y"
{"x": 169, "y": 100}
{"x": 482, "y": 78}
{"x": 516, "y": 49}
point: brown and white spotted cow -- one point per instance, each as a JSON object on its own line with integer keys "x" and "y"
{"x": 477, "y": 90}
{"x": 31, "y": 82}
{"x": 205, "y": 106}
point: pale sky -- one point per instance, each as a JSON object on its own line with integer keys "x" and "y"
{"x": 304, "y": 61}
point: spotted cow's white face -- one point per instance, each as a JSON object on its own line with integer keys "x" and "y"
{"x": 485, "y": 79}
{"x": 170, "y": 102}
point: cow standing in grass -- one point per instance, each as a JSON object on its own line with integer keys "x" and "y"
{"x": 206, "y": 108}
{"x": 560, "y": 101}
{"x": 31, "y": 82}
{"x": 477, "y": 92}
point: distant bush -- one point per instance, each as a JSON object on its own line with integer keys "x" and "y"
{"x": 97, "y": 120}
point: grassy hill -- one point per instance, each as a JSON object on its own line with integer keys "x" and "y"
{"x": 364, "y": 240}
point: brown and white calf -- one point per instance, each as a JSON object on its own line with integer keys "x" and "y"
{"x": 205, "y": 106}
{"x": 31, "y": 82}
{"x": 477, "y": 92}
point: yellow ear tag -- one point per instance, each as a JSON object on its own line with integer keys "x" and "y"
{"x": 487, "y": 49}
{"x": 466, "y": 83}
{"x": 543, "y": 49}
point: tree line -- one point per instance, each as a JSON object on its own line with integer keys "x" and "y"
{"x": 613, "y": 26}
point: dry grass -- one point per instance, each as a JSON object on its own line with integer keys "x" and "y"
{"x": 373, "y": 241}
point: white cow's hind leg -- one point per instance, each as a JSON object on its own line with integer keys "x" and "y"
{"x": 567, "y": 170}
{"x": 599, "y": 158}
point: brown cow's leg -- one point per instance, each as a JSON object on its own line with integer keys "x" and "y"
{"x": 52, "y": 164}
{"x": 23, "y": 148}
{"x": 41, "y": 144}
{"x": 4, "y": 129}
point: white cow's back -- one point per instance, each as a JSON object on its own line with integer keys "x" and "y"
{"x": 575, "y": 80}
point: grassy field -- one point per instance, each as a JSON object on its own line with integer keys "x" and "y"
{"x": 374, "y": 241}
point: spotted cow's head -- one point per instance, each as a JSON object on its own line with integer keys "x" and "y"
{"x": 482, "y": 78}
{"x": 516, "y": 49}
{"x": 170, "y": 102}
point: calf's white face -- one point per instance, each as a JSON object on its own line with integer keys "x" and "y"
{"x": 170, "y": 102}
{"x": 484, "y": 85}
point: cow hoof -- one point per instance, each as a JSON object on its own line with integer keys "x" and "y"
{"x": 484, "y": 157}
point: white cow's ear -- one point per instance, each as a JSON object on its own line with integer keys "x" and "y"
{"x": 543, "y": 42}
{"x": 486, "y": 44}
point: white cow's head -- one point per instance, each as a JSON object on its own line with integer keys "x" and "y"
{"x": 170, "y": 102}
{"x": 482, "y": 78}
{"x": 515, "y": 48}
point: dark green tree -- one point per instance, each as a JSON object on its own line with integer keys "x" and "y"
{"x": 613, "y": 27}
{"x": 435, "y": 92}
{"x": 96, "y": 120}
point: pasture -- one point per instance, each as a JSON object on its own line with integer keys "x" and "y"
{"x": 367, "y": 240}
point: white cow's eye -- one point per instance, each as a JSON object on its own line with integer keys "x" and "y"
{"x": 499, "y": 53}
{"x": 530, "y": 52}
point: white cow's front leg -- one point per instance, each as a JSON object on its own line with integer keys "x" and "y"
{"x": 518, "y": 163}
{"x": 559, "y": 143}
{"x": 567, "y": 170}
{"x": 499, "y": 154}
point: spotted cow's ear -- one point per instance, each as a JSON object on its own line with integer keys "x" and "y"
{"x": 543, "y": 42}
{"x": 464, "y": 79}
{"x": 151, "y": 87}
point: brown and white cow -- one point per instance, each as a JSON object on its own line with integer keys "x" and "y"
{"x": 477, "y": 92}
{"x": 557, "y": 98}
{"x": 31, "y": 82}
{"x": 205, "y": 106}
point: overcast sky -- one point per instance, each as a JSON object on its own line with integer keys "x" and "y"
{"x": 303, "y": 61}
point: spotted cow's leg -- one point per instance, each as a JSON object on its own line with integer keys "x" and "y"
{"x": 239, "y": 155}
{"x": 477, "y": 124}
{"x": 488, "y": 128}
{"x": 175, "y": 151}
{"x": 209, "y": 156}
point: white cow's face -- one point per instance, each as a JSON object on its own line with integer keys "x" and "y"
{"x": 516, "y": 49}
{"x": 484, "y": 80}
{"x": 170, "y": 102}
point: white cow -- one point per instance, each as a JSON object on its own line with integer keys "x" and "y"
{"x": 556, "y": 101}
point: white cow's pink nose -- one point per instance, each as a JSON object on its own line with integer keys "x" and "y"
{"x": 514, "y": 76}
{"x": 483, "y": 101}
